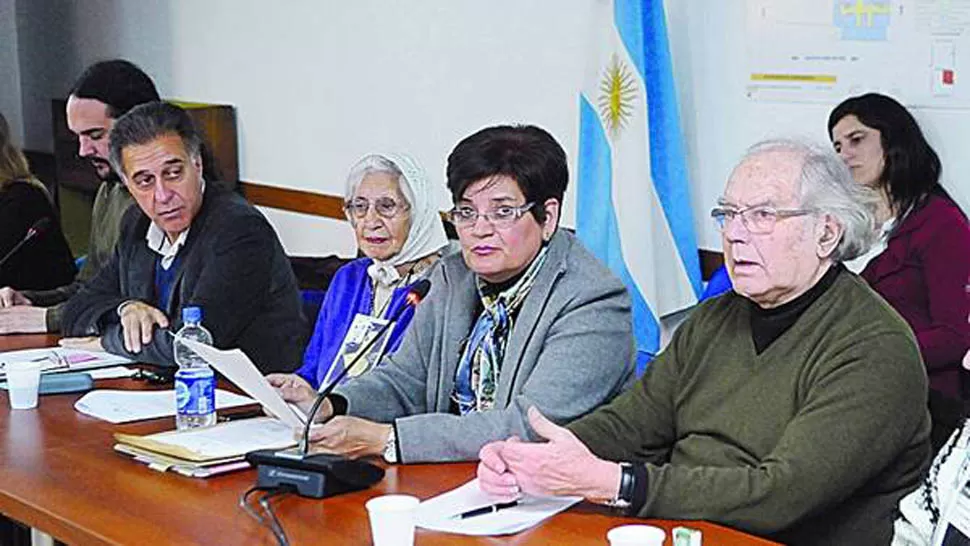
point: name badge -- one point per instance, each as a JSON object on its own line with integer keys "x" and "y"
{"x": 362, "y": 330}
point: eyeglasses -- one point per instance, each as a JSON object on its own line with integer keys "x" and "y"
{"x": 385, "y": 207}
{"x": 500, "y": 217}
{"x": 759, "y": 219}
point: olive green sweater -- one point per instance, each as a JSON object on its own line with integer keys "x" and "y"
{"x": 813, "y": 441}
{"x": 110, "y": 205}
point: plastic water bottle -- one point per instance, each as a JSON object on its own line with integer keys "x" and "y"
{"x": 195, "y": 382}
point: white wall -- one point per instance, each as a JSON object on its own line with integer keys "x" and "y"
{"x": 10, "y": 105}
{"x": 319, "y": 83}
{"x": 720, "y": 122}
{"x": 45, "y": 32}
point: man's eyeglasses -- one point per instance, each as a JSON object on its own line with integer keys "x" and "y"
{"x": 758, "y": 219}
{"x": 500, "y": 217}
{"x": 385, "y": 207}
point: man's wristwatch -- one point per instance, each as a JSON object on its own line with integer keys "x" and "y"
{"x": 624, "y": 495}
{"x": 390, "y": 447}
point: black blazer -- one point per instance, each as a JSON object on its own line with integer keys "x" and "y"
{"x": 45, "y": 261}
{"x": 232, "y": 265}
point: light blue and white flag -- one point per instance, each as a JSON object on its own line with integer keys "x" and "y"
{"x": 633, "y": 208}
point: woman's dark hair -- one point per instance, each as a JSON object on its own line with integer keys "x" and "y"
{"x": 912, "y": 169}
{"x": 525, "y": 153}
{"x": 118, "y": 83}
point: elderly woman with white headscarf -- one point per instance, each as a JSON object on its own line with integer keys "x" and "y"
{"x": 390, "y": 204}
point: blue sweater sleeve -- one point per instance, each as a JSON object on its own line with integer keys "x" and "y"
{"x": 344, "y": 296}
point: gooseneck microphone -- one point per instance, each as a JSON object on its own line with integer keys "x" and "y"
{"x": 414, "y": 296}
{"x": 322, "y": 475}
{"x": 36, "y": 229}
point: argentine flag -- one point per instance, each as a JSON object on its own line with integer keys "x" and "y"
{"x": 633, "y": 204}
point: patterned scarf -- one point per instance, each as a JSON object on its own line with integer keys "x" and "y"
{"x": 481, "y": 361}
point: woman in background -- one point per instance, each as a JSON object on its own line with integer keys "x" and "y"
{"x": 390, "y": 204}
{"x": 921, "y": 265}
{"x": 45, "y": 261}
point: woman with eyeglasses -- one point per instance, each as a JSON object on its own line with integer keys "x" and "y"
{"x": 523, "y": 316}
{"x": 921, "y": 263}
{"x": 390, "y": 204}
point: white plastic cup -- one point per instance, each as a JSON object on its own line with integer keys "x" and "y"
{"x": 392, "y": 519}
{"x": 636, "y": 535}
{"x": 23, "y": 380}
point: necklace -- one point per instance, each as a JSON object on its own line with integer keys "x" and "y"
{"x": 387, "y": 293}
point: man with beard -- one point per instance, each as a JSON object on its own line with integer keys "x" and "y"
{"x": 188, "y": 243}
{"x": 104, "y": 92}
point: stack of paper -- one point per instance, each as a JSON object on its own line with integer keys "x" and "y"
{"x": 204, "y": 452}
{"x": 62, "y": 359}
{"x": 118, "y": 406}
{"x": 441, "y": 513}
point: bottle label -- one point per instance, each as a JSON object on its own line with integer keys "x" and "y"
{"x": 195, "y": 394}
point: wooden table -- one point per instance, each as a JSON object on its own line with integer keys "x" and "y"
{"x": 58, "y": 473}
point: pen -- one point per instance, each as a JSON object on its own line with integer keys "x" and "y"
{"x": 486, "y": 510}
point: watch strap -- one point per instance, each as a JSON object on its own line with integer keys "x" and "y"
{"x": 390, "y": 447}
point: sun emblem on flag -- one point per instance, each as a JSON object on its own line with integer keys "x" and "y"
{"x": 618, "y": 89}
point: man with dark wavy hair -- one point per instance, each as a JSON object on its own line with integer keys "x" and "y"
{"x": 104, "y": 92}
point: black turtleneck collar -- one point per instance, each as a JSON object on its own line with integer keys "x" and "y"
{"x": 767, "y": 325}
{"x": 491, "y": 289}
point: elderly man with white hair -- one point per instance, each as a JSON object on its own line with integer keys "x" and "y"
{"x": 793, "y": 407}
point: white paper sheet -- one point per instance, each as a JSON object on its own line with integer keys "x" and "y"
{"x": 236, "y": 367}
{"x": 232, "y": 438}
{"x": 62, "y": 359}
{"x": 437, "y": 513}
{"x": 112, "y": 373}
{"x": 117, "y": 406}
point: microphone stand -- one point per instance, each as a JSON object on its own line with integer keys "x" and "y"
{"x": 34, "y": 231}
{"x": 413, "y": 297}
{"x": 309, "y": 474}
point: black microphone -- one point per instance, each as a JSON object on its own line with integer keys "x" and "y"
{"x": 414, "y": 296}
{"x": 323, "y": 475}
{"x": 37, "y": 228}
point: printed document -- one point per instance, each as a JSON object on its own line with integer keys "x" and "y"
{"x": 118, "y": 406}
{"x": 219, "y": 443}
{"x": 438, "y": 513}
{"x": 61, "y": 359}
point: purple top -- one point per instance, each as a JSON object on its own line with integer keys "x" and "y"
{"x": 924, "y": 274}
{"x": 350, "y": 292}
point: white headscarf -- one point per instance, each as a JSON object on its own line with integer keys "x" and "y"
{"x": 427, "y": 234}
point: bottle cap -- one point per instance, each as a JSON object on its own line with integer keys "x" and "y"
{"x": 192, "y": 314}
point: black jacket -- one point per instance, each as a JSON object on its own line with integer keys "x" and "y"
{"x": 45, "y": 261}
{"x": 232, "y": 265}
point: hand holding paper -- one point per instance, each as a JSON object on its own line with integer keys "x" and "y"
{"x": 236, "y": 367}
